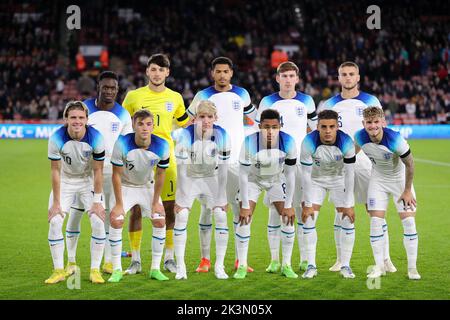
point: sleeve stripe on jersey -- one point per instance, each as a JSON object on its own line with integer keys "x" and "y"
{"x": 306, "y": 164}
{"x": 225, "y": 154}
{"x": 190, "y": 112}
{"x": 406, "y": 154}
{"x": 181, "y": 157}
{"x": 224, "y": 158}
{"x": 54, "y": 159}
{"x": 312, "y": 115}
{"x": 116, "y": 164}
{"x": 290, "y": 162}
{"x": 350, "y": 160}
{"x": 183, "y": 117}
{"x": 164, "y": 162}
{"x": 249, "y": 109}
{"x": 99, "y": 156}
{"x": 245, "y": 164}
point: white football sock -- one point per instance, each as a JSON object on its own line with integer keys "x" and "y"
{"x": 347, "y": 241}
{"x": 180, "y": 235}
{"x": 386, "y": 240}
{"x": 158, "y": 241}
{"x": 56, "y": 241}
{"x": 220, "y": 235}
{"x": 337, "y": 233}
{"x": 310, "y": 238}
{"x": 73, "y": 230}
{"x": 377, "y": 240}
{"x": 107, "y": 251}
{"x": 274, "y": 233}
{"x": 235, "y": 208}
{"x": 242, "y": 242}
{"x": 410, "y": 241}
{"x": 115, "y": 240}
{"x": 300, "y": 239}
{"x": 97, "y": 241}
{"x": 287, "y": 242}
{"x": 205, "y": 230}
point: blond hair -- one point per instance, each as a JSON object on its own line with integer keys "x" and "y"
{"x": 349, "y": 64}
{"x": 206, "y": 106}
{"x": 373, "y": 112}
{"x": 75, "y": 105}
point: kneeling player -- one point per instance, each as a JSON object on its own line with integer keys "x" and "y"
{"x": 133, "y": 159}
{"x": 326, "y": 154}
{"x": 392, "y": 174}
{"x": 78, "y": 176}
{"x": 263, "y": 157}
{"x": 201, "y": 148}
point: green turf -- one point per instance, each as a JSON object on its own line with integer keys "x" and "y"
{"x": 25, "y": 260}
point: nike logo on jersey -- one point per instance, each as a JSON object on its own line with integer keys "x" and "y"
{"x": 170, "y": 195}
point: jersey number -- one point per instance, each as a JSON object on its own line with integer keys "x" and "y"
{"x": 373, "y": 160}
{"x": 340, "y": 121}
{"x": 284, "y": 187}
{"x": 281, "y": 120}
{"x": 157, "y": 119}
{"x": 130, "y": 166}
{"x": 67, "y": 160}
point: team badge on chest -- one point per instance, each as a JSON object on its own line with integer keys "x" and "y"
{"x": 299, "y": 111}
{"x": 87, "y": 153}
{"x": 115, "y": 126}
{"x": 359, "y": 111}
{"x": 169, "y": 106}
{"x": 236, "y": 105}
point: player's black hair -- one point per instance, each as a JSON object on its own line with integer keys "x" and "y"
{"x": 222, "y": 60}
{"x": 159, "y": 59}
{"x": 269, "y": 114}
{"x": 327, "y": 114}
{"x": 108, "y": 75}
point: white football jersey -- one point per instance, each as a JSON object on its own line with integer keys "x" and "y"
{"x": 201, "y": 155}
{"x": 327, "y": 161}
{"x": 111, "y": 124}
{"x": 351, "y": 110}
{"x": 139, "y": 162}
{"x": 385, "y": 156}
{"x": 231, "y": 106}
{"x": 77, "y": 156}
{"x": 267, "y": 164}
{"x": 294, "y": 114}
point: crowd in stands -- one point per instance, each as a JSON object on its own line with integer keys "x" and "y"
{"x": 405, "y": 63}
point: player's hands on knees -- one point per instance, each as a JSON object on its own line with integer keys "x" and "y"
{"x": 409, "y": 202}
{"x": 245, "y": 216}
{"x": 98, "y": 210}
{"x": 306, "y": 212}
{"x": 117, "y": 215}
{"x": 54, "y": 210}
{"x": 350, "y": 213}
{"x": 288, "y": 216}
{"x": 158, "y": 208}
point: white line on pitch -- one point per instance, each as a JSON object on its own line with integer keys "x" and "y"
{"x": 438, "y": 163}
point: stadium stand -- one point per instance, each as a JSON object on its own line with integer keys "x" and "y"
{"x": 405, "y": 63}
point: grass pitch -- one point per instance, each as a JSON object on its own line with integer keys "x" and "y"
{"x": 25, "y": 260}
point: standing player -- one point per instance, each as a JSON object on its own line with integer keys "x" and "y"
{"x": 134, "y": 183}
{"x": 112, "y": 120}
{"x": 349, "y": 104}
{"x": 325, "y": 152}
{"x": 165, "y": 104}
{"x": 297, "y": 112}
{"x": 232, "y": 103}
{"x": 200, "y": 149}
{"x": 392, "y": 174}
{"x": 80, "y": 174}
{"x": 263, "y": 157}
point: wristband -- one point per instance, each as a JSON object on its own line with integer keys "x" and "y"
{"x": 98, "y": 198}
